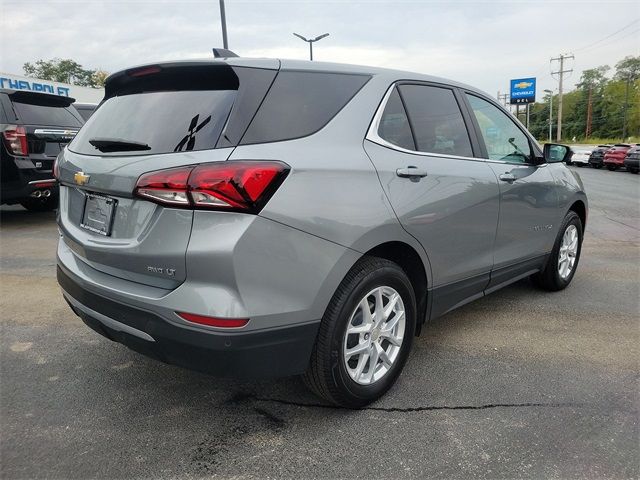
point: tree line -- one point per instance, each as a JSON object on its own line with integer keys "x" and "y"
{"x": 65, "y": 71}
{"x": 600, "y": 106}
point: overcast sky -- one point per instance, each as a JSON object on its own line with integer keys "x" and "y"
{"x": 479, "y": 43}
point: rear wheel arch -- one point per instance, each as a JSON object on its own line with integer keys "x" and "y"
{"x": 410, "y": 261}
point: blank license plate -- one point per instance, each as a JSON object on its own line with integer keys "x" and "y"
{"x": 98, "y": 214}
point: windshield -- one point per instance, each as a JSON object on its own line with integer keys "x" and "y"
{"x": 155, "y": 122}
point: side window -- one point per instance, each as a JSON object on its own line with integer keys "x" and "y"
{"x": 436, "y": 119}
{"x": 504, "y": 140}
{"x": 394, "y": 125}
{"x": 301, "y": 103}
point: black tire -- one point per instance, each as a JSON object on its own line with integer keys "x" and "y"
{"x": 327, "y": 375}
{"x": 632, "y": 170}
{"x": 579, "y": 165}
{"x": 41, "y": 204}
{"x": 549, "y": 278}
{"x": 597, "y": 166}
{"x": 611, "y": 168}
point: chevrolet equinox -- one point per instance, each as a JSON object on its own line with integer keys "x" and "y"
{"x": 259, "y": 217}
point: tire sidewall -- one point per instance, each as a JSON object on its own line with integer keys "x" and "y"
{"x": 385, "y": 276}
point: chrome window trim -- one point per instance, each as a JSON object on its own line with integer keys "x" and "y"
{"x": 372, "y": 135}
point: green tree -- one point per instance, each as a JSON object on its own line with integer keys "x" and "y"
{"x": 63, "y": 70}
{"x": 628, "y": 71}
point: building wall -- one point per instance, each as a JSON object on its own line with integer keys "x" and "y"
{"x": 81, "y": 94}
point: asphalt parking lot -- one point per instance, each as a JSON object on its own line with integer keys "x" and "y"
{"x": 519, "y": 384}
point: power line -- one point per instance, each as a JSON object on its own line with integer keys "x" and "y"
{"x": 607, "y": 37}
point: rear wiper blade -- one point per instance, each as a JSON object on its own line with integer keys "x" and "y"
{"x": 107, "y": 145}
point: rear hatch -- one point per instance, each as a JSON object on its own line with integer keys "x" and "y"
{"x": 152, "y": 118}
{"x": 49, "y": 122}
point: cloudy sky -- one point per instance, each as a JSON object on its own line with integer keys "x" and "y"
{"x": 480, "y": 43}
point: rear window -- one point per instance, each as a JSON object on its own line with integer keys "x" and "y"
{"x": 31, "y": 114}
{"x": 301, "y": 103}
{"x": 156, "y": 122}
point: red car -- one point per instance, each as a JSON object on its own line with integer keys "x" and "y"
{"x": 614, "y": 157}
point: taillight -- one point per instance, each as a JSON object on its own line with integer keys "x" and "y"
{"x": 214, "y": 321}
{"x": 233, "y": 185}
{"x": 15, "y": 139}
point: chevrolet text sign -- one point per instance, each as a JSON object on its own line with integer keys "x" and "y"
{"x": 523, "y": 90}
{"x": 81, "y": 94}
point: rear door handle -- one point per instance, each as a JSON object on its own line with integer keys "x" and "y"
{"x": 507, "y": 177}
{"x": 411, "y": 172}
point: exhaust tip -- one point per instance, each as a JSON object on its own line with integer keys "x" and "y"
{"x": 36, "y": 194}
{"x": 46, "y": 193}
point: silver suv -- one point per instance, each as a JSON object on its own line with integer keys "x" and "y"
{"x": 257, "y": 218}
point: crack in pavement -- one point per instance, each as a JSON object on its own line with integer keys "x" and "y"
{"x": 245, "y": 397}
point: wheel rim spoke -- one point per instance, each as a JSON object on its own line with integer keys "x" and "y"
{"x": 374, "y": 335}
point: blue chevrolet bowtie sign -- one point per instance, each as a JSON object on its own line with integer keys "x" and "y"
{"x": 523, "y": 90}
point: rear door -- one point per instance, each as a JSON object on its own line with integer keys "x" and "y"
{"x": 442, "y": 193}
{"x": 528, "y": 196}
{"x": 50, "y": 122}
{"x": 152, "y": 118}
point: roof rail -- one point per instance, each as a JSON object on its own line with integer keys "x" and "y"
{"x": 223, "y": 52}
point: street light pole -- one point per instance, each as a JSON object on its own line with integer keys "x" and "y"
{"x": 550, "y": 92}
{"x": 310, "y": 41}
{"x": 223, "y": 20}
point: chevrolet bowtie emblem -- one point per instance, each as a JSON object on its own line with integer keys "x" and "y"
{"x": 81, "y": 178}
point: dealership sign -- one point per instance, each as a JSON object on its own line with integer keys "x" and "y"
{"x": 82, "y": 94}
{"x": 523, "y": 90}
{"x": 16, "y": 84}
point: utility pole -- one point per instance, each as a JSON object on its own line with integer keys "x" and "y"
{"x": 503, "y": 98}
{"x": 223, "y": 20}
{"x": 561, "y": 73}
{"x": 588, "y": 131}
{"x": 626, "y": 107}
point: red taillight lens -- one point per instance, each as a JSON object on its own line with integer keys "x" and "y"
{"x": 165, "y": 186}
{"x": 213, "y": 321}
{"x": 15, "y": 139}
{"x": 239, "y": 186}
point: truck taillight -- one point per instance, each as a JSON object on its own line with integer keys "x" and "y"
{"x": 15, "y": 139}
{"x": 233, "y": 185}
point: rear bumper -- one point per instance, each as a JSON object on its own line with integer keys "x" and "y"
{"x": 274, "y": 352}
{"x": 613, "y": 160}
{"x": 20, "y": 179}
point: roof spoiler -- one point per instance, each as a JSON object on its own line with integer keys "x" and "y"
{"x": 39, "y": 98}
{"x": 223, "y": 53}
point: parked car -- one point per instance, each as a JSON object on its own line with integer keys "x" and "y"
{"x": 580, "y": 157}
{"x": 34, "y": 127}
{"x": 85, "y": 109}
{"x": 632, "y": 159}
{"x": 596, "y": 158}
{"x": 614, "y": 157}
{"x": 265, "y": 218}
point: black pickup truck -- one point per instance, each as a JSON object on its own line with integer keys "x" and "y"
{"x": 34, "y": 128}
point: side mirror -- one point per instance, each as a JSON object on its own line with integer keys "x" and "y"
{"x": 554, "y": 153}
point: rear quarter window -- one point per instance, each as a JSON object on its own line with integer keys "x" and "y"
{"x": 301, "y": 103}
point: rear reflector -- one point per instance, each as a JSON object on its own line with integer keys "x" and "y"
{"x": 244, "y": 186}
{"x": 15, "y": 139}
{"x": 213, "y": 321}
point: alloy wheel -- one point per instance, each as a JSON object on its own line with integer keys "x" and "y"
{"x": 374, "y": 335}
